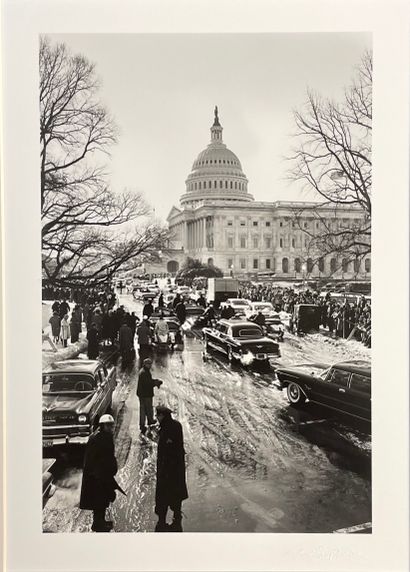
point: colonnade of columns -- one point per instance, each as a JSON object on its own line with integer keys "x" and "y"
{"x": 196, "y": 231}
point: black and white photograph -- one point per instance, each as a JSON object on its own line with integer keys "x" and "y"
{"x": 205, "y": 263}
{"x": 206, "y": 282}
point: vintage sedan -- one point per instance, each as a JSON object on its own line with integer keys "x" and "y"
{"x": 241, "y": 341}
{"x": 344, "y": 387}
{"x": 75, "y": 394}
{"x": 240, "y": 305}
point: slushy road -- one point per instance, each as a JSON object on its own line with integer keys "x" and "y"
{"x": 248, "y": 467}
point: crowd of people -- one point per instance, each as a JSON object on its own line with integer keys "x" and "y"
{"x": 340, "y": 316}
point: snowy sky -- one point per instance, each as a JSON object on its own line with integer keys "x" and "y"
{"x": 162, "y": 89}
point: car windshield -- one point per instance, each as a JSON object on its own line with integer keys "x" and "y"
{"x": 68, "y": 383}
{"x": 238, "y": 302}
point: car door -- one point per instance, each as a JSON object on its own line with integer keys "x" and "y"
{"x": 213, "y": 335}
{"x": 221, "y": 340}
{"x": 360, "y": 395}
{"x": 333, "y": 391}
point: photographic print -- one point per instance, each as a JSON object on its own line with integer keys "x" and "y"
{"x": 206, "y": 216}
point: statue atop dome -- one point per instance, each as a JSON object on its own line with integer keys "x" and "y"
{"x": 216, "y": 120}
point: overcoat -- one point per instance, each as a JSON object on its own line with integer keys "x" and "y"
{"x": 55, "y": 323}
{"x": 100, "y": 466}
{"x": 93, "y": 338}
{"x": 171, "y": 481}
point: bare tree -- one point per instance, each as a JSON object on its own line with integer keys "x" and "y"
{"x": 334, "y": 159}
{"x": 79, "y": 210}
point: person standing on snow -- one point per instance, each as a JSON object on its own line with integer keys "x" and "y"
{"x": 100, "y": 467}
{"x": 65, "y": 330}
{"x": 55, "y": 323}
{"x": 171, "y": 487}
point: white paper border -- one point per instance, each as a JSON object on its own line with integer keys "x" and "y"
{"x": 28, "y": 549}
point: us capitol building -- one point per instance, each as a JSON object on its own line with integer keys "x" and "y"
{"x": 220, "y": 223}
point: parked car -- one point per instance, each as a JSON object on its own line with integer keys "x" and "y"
{"x": 240, "y": 305}
{"x": 306, "y": 318}
{"x": 240, "y": 340}
{"x": 343, "y": 387}
{"x": 75, "y": 394}
{"x": 254, "y": 307}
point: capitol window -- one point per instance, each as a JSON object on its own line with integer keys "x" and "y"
{"x": 243, "y": 263}
{"x": 255, "y": 263}
{"x": 243, "y": 242}
{"x": 215, "y": 184}
{"x": 367, "y": 265}
{"x": 268, "y": 242}
{"x": 321, "y": 264}
{"x": 285, "y": 265}
{"x": 220, "y": 184}
{"x": 333, "y": 265}
{"x": 242, "y": 223}
{"x": 255, "y": 242}
{"x": 230, "y": 241}
{"x": 236, "y": 185}
{"x": 267, "y": 223}
{"x": 293, "y": 243}
{"x": 281, "y": 242}
{"x": 281, "y": 224}
{"x": 268, "y": 263}
{"x": 230, "y": 223}
{"x": 356, "y": 265}
{"x": 255, "y": 223}
{"x": 231, "y": 185}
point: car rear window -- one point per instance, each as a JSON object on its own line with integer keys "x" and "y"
{"x": 360, "y": 383}
{"x": 248, "y": 333}
{"x": 339, "y": 377}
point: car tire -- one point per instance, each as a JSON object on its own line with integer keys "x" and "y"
{"x": 295, "y": 394}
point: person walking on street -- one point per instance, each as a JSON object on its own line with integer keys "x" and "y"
{"x": 65, "y": 330}
{"x": 148, "y": 309}
{"x": 55, "y": 323}
{"x": 180, "y": 311}
{"x": 145, "y": 393}
{"x": 126, "y": 344}
{"x": 171, "y": 487}
{"x": 144, "y": 339}
{"x": 100, "y": 467}
{"x": 93, "y": 338}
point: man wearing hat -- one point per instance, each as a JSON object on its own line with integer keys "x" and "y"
{"x": 171, "y": 487}
{"x": 100, "y": 466}
{"x": 145, "y": 393}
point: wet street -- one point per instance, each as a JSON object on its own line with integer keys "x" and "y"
{"x": 250, "y": 466}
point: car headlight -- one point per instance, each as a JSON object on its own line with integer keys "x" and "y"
{"x": 82, "y": 418}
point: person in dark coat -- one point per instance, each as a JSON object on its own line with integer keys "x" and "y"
{"x": 93, "y": 338}
{"x": 64, "y": 308}
{"x": 171, "y": 487}
{"x": 161, "y": 300}
{"x": 148, "y": 309}
{"x": 144, "y": 338}
{"x": 145, "y": 393}
{"x": 56, "y": 307}
{"x": 176, "y": 301}
{"x": 100, "y": 467}
{"x": 201, "y": 301}
{"x": 180, "y": 311}
{"x": 126, "y": 344}
{"x": 75, "y": 324}
{"x": 55, "y": 322}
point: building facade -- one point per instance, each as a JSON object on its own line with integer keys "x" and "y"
{"x": 220, "y": 223}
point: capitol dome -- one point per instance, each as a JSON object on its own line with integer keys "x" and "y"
{"x": 216, "y": 173}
